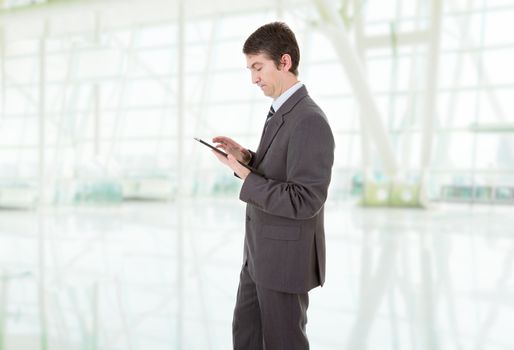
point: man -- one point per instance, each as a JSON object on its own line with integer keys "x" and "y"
{"x": 284, "y": 249}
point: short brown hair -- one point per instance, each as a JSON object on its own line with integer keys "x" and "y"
{"x": 274, "y": 39}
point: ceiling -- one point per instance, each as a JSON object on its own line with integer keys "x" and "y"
{"x": 65, "y": 16}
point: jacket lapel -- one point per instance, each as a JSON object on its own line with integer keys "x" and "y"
{"x": 276, "y": 123}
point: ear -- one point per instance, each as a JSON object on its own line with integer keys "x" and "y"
{"x": 286, "y": 62}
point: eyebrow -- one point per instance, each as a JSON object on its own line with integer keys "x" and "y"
{"x": 254, "y": 64}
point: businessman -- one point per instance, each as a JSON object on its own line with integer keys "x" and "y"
{"x": 284, "y": 247}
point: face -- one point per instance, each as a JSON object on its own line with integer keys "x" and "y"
{"x": 266, "y": 75}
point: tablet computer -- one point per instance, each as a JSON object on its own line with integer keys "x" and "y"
{"x": 211, "y": 146}
{"x": 224, "y": 154}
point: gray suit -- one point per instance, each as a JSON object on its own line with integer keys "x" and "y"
{"x": 284, "y": 249}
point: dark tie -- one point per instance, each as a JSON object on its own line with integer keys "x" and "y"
{"x": 270, "y": 115}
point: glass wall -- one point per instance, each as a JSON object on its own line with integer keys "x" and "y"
{"x": 101, "y": 99}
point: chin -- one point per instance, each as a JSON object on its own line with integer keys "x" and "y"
{"x": 266, "y": 93}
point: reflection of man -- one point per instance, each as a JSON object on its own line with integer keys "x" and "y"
{"x": 284, "y": 249}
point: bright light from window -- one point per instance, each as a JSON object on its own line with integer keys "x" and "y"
{"x": 9, "y": 4}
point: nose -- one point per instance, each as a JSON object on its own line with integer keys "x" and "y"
{"x": 255, "y": 77}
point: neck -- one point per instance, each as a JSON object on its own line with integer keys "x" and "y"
{"x": 286, "y": 85}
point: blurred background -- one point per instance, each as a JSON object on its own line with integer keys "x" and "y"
{"x": 119, "y": 231}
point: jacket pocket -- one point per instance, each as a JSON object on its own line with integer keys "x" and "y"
{"x": 282, "y": 233}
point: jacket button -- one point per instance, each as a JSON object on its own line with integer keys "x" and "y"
{"x": 248, "y": 218}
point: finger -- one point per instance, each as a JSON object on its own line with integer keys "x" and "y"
{"x": 224, "y": 140}
{"x": 222, "y": 144}
{"x": 219, "y": 139}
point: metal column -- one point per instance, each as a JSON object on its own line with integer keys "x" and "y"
{"x": 43, "y": 191}
{"x": 432, "y": 84}
{"x": 336, "y": 32}
{"x": 180, "y": 177}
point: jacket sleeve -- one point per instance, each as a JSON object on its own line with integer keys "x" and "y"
{"x": 310, "y": 156}
{"x": 252, "y": 158}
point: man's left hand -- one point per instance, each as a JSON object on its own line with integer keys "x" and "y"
{"x": 233, "y": 164}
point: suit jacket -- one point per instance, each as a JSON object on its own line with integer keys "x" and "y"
{"x": 285, "y": 237}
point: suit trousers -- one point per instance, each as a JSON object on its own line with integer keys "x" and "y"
{"x": 266, "y": 319}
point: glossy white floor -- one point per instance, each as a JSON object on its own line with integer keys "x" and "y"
{"x": 157, "y": 276}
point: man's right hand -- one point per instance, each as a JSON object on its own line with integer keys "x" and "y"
{"x": 232, "y": 147}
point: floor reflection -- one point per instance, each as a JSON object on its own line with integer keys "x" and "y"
{"x": 148, "y": 276}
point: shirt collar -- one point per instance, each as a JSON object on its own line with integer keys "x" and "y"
{"x": 279, "y": 101}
